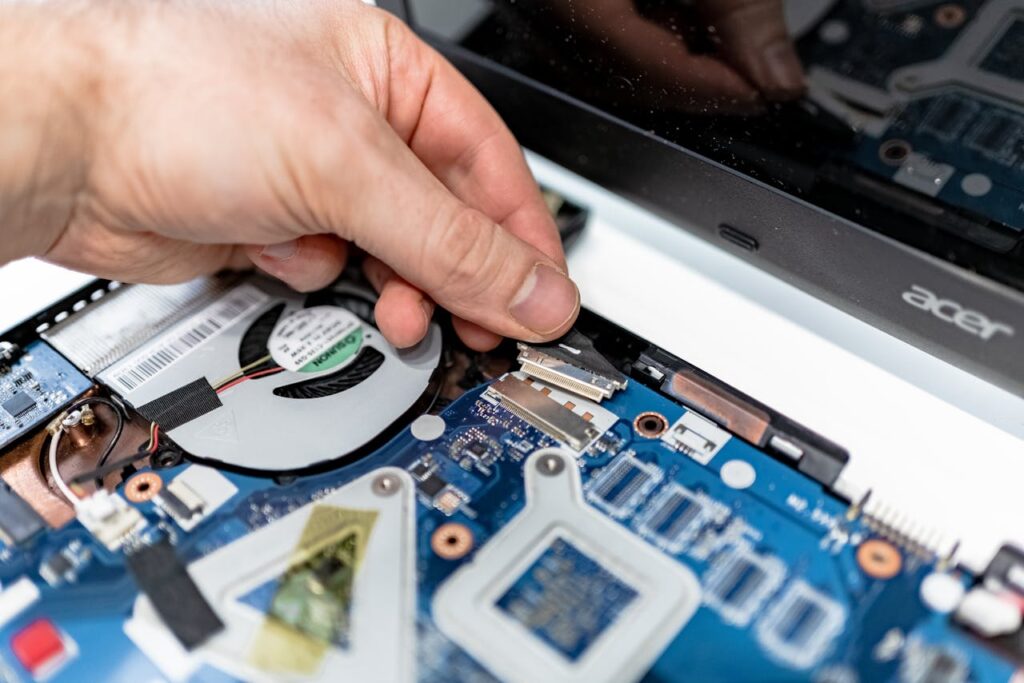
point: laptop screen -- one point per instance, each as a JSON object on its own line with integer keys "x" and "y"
{"x": 901, "y": 115}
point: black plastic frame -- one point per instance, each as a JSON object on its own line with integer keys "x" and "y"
{"x": 845, "y": 264}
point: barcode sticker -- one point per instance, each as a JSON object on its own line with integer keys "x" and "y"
{"x": 143, "y": 365}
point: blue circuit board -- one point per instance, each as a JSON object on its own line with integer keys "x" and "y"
{"x": 775, "y": 554}
{"x": 33, "y": 388}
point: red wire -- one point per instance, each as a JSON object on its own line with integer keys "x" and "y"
{"x": 238, "y": 381}
{"x": 156, "y": 439}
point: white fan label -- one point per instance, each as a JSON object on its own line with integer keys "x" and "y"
{"x": 316, "y": 339}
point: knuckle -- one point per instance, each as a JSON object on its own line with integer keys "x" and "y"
{"x": 463, "y": 253}
{"x": 316, "y": 155}
{"x": 399, "y": 40}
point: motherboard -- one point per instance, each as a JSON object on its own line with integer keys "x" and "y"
{"x": 262, "y": 489}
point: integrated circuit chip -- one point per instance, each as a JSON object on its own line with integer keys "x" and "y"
{"x": 674, "y": 518}
{"x": 421, "y": 469}
{"x": 799, "y": 629}
{"x": 623, "y": 484}
{"x": 432, "y": 485}
{"x": 566, "y": 599}
{"x": 998, "y": 136}
{"x": 313, "y": 597}
{"x": 1004, "y": 58}
{"x": 923, "y": 662}
{"x": 739, "y": 583}
{"x": 19, "y": 404}
{"x": 948, "y": 115}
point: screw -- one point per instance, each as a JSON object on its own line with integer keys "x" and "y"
{"x": 386, "y": 485}
{"x": 550, "y": 464}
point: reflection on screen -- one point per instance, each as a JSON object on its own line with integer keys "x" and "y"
{"x": 901, "y": 114}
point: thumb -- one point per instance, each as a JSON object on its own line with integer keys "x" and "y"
{"x": 484, "y": 274}
{"x": 389, "y": 204}
{"x": 471, "y": 266}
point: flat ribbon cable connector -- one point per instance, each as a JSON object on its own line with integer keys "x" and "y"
{"x": 573, "y": 364}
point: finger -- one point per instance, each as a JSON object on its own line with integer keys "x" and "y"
{"x": 755, "y": 39}
{"x": 474, "y": 336}
{"x": 403, "y": 313}
{"x": 452, "y": 129}
{"x": 384, "y": 279}
{"x": 305, "y": 264}
{"x": 390, "y": 205}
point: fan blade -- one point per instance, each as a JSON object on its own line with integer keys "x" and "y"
{"x": 364, "y": 365}
{"x": 257, "y": 337}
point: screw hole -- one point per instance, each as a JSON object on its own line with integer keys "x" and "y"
{"x": 452, "y": 541}
{"x": 650, "y": 425}
{"x": 894, "y": 152}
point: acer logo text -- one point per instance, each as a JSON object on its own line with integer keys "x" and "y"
{"x": 949, "y": 311}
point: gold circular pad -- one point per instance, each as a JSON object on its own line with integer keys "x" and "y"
{"x": 879, "y": 559}
{"x": 143, "y": 486}
{"x": 452, "y": 541}
{"x": 650, "y": 425}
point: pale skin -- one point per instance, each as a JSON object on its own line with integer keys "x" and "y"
{"x": 158, "y": 141}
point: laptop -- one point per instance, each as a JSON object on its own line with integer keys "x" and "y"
{"x": 226, "y": 480}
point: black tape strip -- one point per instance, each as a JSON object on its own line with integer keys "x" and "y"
{"x": 182, "y": 405}
{"x": 588, "y": 358}
{"x": 162, "y": 577}
{"x": 18, "y": 521}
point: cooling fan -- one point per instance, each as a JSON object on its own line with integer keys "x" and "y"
{"x": 280, "y": 382}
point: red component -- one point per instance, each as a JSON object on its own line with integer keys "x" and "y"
{"x": 37, "y": 645}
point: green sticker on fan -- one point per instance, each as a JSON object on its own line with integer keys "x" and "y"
{"x": 316, "y": 339}
{"x": 337, "y": 354}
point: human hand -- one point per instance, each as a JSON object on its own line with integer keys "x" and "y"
{"x": 205, "y": 132}
{"x": 752, "y": 59}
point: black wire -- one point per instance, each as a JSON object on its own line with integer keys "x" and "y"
{"x": 42, "y": 459}
{"x": 113, "y": 441}
{"x": 118, "y": 430}
{"x": 118, "y": 414}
